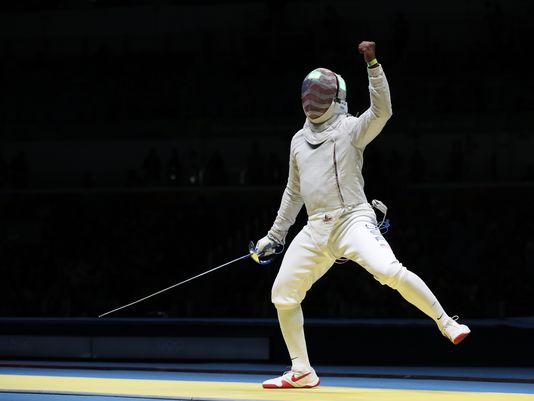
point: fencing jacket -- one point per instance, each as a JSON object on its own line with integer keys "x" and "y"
{"x": 325, "y": 164}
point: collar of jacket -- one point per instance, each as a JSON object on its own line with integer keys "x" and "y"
{"x": 315, "y": 134}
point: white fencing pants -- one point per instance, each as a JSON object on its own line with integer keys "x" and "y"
{"x": 310, "y": 255}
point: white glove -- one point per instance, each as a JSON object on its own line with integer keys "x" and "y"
{"x": 266, "y": 246}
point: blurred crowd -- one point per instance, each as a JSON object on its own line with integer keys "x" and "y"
{"x": 462, "y": 159}
{"x": 14, "y": 172}
{"x": 82, "y": 253}
{"x": 458, "y": 206}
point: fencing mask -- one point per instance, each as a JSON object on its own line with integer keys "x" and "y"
{"x": 323, "y": 95}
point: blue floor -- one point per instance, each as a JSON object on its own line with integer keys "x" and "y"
{"x": 486, "y": 372}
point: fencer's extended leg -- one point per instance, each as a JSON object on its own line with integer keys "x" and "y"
{"x": 366, "y": 246}
{"x": 412, "y": 289}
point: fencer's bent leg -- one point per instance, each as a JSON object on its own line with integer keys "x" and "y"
{"x": 292, "y": 327}
{"x": 363, "y": 243}
{"x": 303, "y": 265}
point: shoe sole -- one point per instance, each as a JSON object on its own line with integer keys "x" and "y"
{"x": 459, "y": 339}
{"x": 273, "y": 386}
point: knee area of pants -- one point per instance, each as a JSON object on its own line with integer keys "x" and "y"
{"x": 284, "y": 306}
{"x": 285, "y": 299}
{"x": 393, "y": 276}
{"x": 284, "y": 295}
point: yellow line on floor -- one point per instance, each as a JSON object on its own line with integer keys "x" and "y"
{"x": 232, "y": 391}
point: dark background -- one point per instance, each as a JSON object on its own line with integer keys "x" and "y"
{"x": 145, "y": 142}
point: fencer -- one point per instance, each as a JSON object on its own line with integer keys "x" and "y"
{"x": 325, "y": 175}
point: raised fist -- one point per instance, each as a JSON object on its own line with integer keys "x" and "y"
{"x": 368, "y": 50}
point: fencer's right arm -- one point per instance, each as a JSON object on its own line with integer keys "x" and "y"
{"x": 371, "y": 122}
{"x": 290, "y": 205}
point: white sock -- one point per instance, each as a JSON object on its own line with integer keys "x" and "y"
{"x": 292, "y": 326}
{"x": 415, "y": 291}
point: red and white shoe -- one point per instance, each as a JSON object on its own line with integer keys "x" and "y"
{"x": 294, "y": 380}
{"x": 454, "y": 331}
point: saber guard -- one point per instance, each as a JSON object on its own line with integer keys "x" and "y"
{"x": 264, "y": 259}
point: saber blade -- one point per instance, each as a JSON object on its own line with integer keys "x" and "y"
{"x": 176, "y": 285}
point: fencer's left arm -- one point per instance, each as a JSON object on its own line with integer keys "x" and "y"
{"x": 371, "y": 122}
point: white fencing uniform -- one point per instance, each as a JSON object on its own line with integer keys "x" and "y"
{"x": 325, "y": 175}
